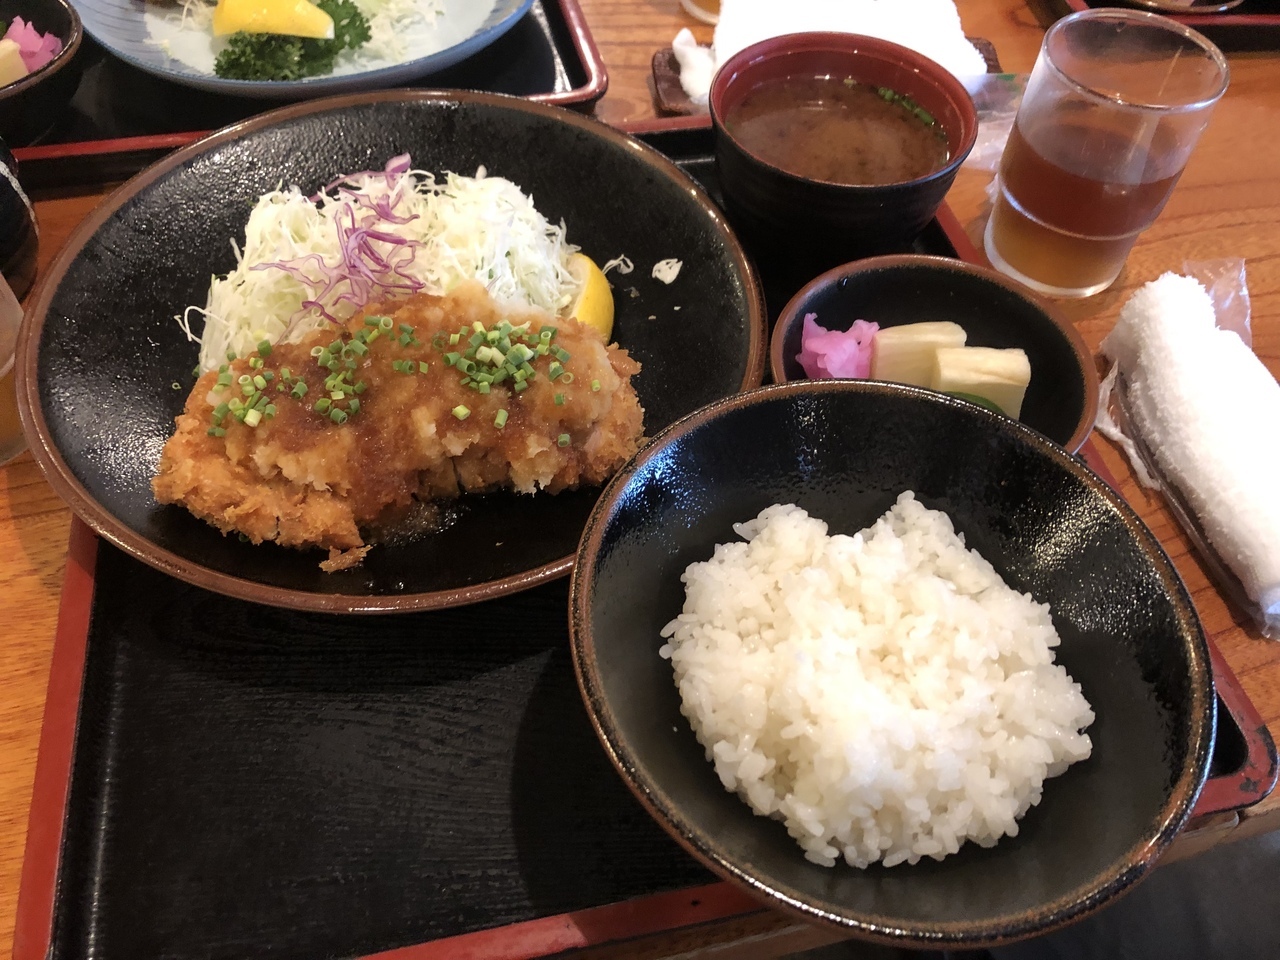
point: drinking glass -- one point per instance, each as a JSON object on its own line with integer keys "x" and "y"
{"x": 1114, "y": 105}
{"x": 708, "y": 11}
{"x": 12, "y": 441}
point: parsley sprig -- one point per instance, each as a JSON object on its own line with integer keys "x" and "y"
{"x": 270, "y": 56}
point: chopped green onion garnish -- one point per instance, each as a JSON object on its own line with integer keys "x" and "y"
{"x": 562, "y": 440}
{"x": 338, "y": 415}
{"x": 461, "y": 411}
{"x": 559, "y": 398}
{"x": 500, "y": 420}
{"x": 595, "y": 386}
{"x": 299, "y": 390}
{"x": 252, "y": 418}
{"x": 323, "y": 404}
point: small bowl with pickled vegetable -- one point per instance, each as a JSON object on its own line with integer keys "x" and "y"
{"x": 831, "y": 146}
{"x": 39, "y": 70}
{"x": 945, "y": 325}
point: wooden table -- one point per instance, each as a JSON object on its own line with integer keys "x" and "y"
{"x": 1227, "y": 205}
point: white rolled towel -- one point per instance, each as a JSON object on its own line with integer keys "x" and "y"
{"x": 1208, "y": 411}
{"x": 930, "y": 27}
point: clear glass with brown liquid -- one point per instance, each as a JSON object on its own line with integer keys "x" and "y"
{"x": 1113, "y": 108}
{"x": 12, "y": 441}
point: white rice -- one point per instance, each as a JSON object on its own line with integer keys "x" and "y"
{"x": 886, "y": 695}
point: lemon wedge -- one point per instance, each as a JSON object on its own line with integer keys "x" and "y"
{"x": 292, "y": 18}
{"x": 594, "y": 304}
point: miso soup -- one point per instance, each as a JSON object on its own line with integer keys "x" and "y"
{"x": 838, "y": 130}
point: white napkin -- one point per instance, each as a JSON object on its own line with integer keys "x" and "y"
{"x": 930, "y": 27}
{"x": 1208, "y": 411}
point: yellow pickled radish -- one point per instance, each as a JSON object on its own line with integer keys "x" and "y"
{"x": 12, "y": 68}
{"x": 594, "y": 304}
{"x": 293, "y": 18}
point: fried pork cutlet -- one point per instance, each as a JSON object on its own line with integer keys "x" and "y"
{"x": 424, "y": 398}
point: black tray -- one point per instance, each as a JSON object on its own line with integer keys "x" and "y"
{"x": 121, "y": 118}
{"x": 245, "y": 781}
{"x": 1254, "y": 25}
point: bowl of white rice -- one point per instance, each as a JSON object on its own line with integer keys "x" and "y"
{"x": 892, "y": 662}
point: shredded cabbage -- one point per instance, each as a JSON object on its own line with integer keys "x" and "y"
{"x": 310, "y": 261}
{"x": 390, "y": 21}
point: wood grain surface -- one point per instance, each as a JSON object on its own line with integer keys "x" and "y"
{"x": 1227, "y": 205}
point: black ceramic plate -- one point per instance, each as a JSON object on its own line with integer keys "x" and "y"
{"x": 844, "y": 450}
{"x": 100, "y": 352}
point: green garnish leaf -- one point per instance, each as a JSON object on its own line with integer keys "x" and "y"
{"x": 974, "y": 398}
{"x": 264, "y": 56}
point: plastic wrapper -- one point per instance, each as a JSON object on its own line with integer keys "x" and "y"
{"x": 1198, "y": 416}
{"x": 997, "y": 97}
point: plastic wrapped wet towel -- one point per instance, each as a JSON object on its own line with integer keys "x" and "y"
{"x": 930, "y": 27}
{"x": 1206, "y": 412}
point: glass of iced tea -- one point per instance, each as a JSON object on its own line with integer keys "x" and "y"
{"x": 12, "y": 441}
{"x": 708, "y": 11}
{"x": 1112, "y": 110}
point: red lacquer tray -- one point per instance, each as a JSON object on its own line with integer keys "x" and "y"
{"x": 220, "y": 780}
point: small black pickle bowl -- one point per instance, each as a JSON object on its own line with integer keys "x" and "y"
{"x": 29, "y": 107}
{"x": 1062, "y": 398}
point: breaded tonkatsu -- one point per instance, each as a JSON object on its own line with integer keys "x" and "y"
{"x": 310, "y": 443}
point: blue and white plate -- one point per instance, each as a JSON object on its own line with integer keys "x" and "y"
{"x": 155, "y": 37}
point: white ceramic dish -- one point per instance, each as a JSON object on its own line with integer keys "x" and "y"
{"x": 152, "y": 37}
